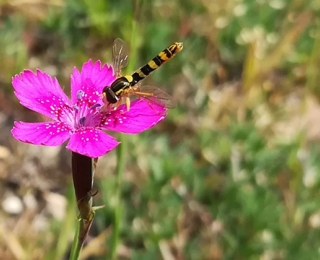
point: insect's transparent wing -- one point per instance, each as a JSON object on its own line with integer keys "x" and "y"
{"x": 120, "y": 53}
{"x": 156, "y": 95}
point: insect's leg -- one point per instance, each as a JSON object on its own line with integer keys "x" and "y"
{"x": 128, "y": 103}
{"x": 144, "y": 94}
{"x": 150, "y": 102}
{"x": 118, "y": 104}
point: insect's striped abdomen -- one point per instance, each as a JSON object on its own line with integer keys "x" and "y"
{"x": 156, "y": 62}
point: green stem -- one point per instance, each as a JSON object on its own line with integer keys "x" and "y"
{"x": 83, "y": 169}
{"x": 76, "y": 246}
{"x": 121, "y": 151}
{"x": 82, "y": 230}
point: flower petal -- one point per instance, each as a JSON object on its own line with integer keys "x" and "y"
{"x": 142, "y": 115}
{"x": 45, "y": 133}
{"x": 39, "y": 92}
{"x": 99, "y": 76}
{"x": 89, "y": 94}
{"x": 91, "y": 142}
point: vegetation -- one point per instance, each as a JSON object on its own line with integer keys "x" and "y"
{"x": 233, "y": 171}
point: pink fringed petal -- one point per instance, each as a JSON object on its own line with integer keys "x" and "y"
{"x": 39, "y": 92}
{"x": 142, "y": 115}
{"x": 99, "y": 76}
{"x": 91, "y": 142}
{"x": 47, "y": 133}
{"x": 90, "y": 96}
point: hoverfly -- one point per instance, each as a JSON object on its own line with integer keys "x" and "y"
{"x": 127, "y": 85}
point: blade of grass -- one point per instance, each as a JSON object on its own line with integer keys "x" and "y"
{"x": 121, "y": 151}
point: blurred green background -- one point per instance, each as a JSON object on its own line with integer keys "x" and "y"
{"x": 233, "y": 171}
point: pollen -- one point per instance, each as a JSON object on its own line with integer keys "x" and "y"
{"x": 80, "y": 94}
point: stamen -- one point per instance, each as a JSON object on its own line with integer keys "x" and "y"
{"x": 94, "y": 106}
{"x": 86, "y": 113}
{"x": 80, "y": 94}
{"x": 82, "y": 120}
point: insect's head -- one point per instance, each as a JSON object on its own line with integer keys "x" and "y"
{"x": 113, "y": 93}
{"x": 109, "y": 95}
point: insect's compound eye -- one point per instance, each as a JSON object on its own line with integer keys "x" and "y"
{"x": 110, "y": 96}
{"x": 105, "y": 90}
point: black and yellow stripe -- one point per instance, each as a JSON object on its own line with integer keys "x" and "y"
{"x": 123, "y": 85}
{"x": 156, "y": 62}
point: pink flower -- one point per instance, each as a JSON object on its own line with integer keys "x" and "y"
{"x": 83, "y": 118}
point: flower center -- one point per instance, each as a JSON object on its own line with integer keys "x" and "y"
{"x": 84, "y": 113}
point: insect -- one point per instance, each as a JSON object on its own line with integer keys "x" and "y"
{"x": 127, "y": 85}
